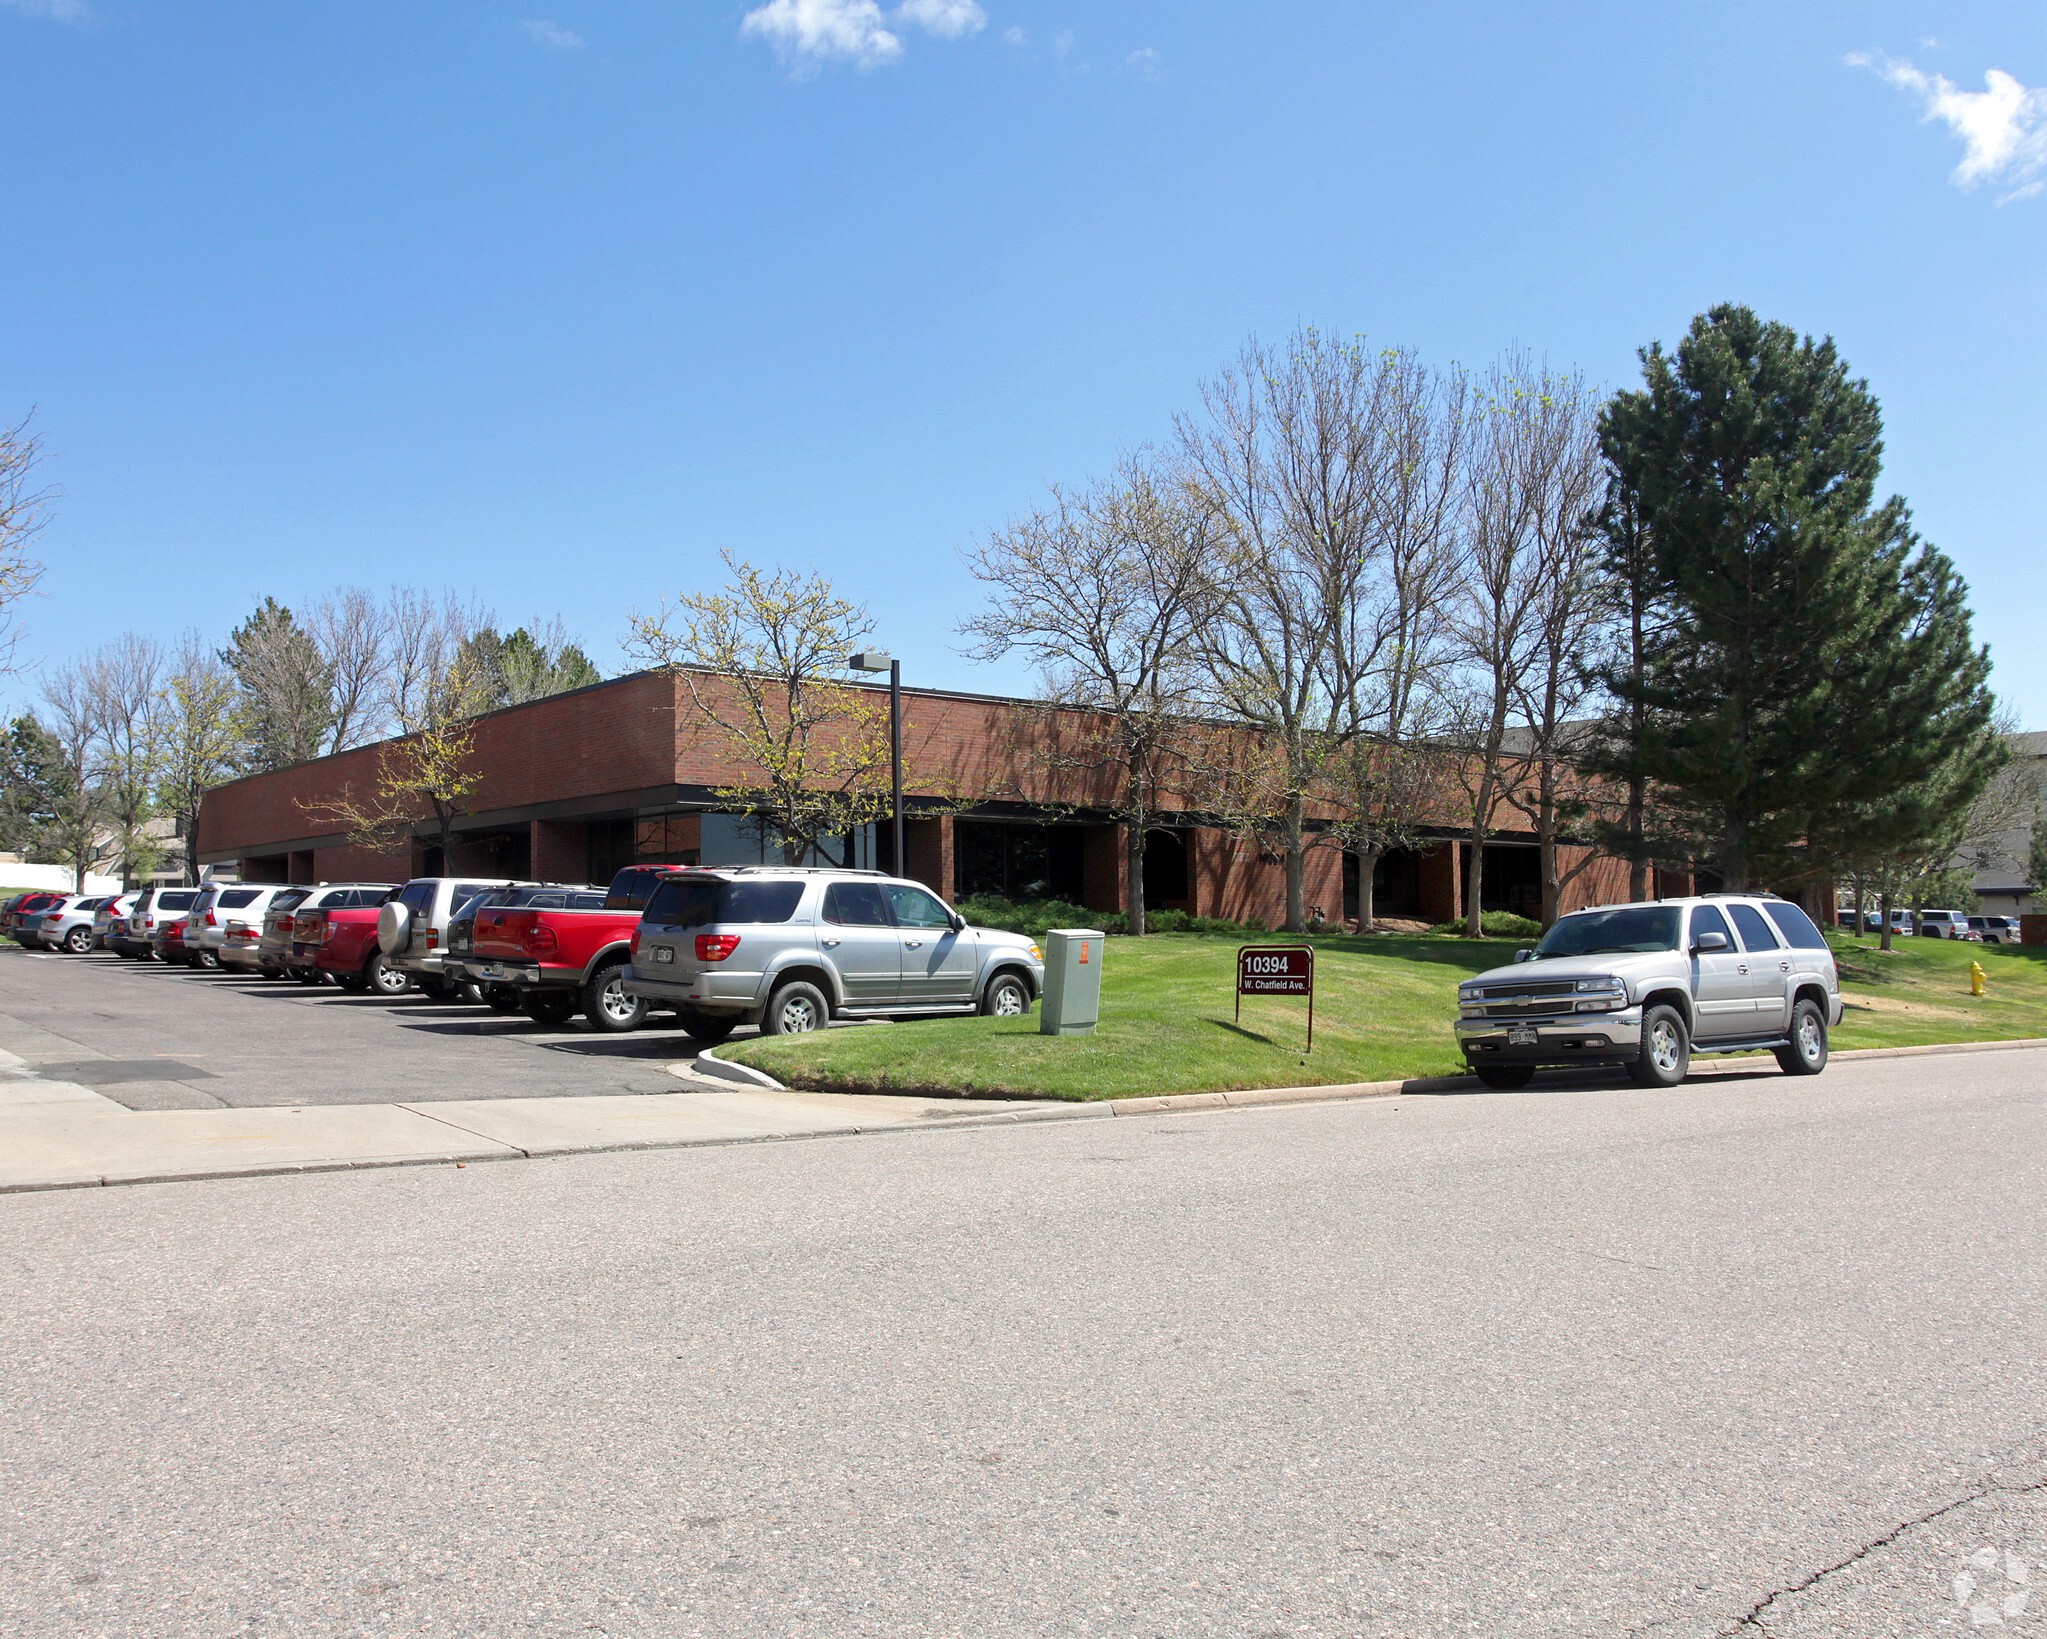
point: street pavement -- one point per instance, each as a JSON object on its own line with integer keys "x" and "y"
{"x": 153, "y": 1037}
{"x": 1753, "y": 1357}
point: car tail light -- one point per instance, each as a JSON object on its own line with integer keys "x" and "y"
{"x": 633, "y": 946}
{"x": 212, "y": 921}
{"x": 539, "y": 939}
{"x": 433, "y": 938}
{"x": 715, "y": 947}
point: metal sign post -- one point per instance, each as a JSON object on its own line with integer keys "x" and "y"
{"x": 1277, "y": 970}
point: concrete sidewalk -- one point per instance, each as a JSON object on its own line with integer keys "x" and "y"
{"x": 61, "y": 1135}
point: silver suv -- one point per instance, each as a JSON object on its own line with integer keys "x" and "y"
{"x": 791, "y": 948}
{"x": 1648, "y": 985}
{"x": 412, "y": 928}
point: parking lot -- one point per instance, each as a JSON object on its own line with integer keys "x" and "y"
{"x": 161, "y": 1038}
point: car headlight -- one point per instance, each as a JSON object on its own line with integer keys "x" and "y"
{"x": 1596, "y": 985}
{"x": 1037, "y": 955}
{"x": 1470, "y": 993}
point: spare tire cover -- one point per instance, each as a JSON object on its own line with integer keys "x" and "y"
{"x": 394, "y": 927}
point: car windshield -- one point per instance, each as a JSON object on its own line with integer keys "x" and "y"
{"x": 1598, "y": 933}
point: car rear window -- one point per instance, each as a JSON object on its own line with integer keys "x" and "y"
{"x": 632, "y": 888}
{"x": 290, "y": 899}
{"x": 1795, "y": 925}
{"x": 420, "y": 896}
{"x": 696, "y": 903}
{"x": 233, "y": 899}
{"x": 177, "y": 901}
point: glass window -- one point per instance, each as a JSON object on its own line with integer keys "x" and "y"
{"x": 915, "y": 908}
{"x": 1595, "y": 933}
{"x": 290, "y": 899}
{"x": 695, "y": 902}
{"x": 549, "y": 902}
{"x": 1707, "y": 919}
{"x": 419, "y": 895}
{"x": 1755, "y": 932}
{"x": 1795, "y": 925}
{"x": 176, "y": 899}
{"x": 233, "y": 899}
{"x": 856, "y": 905}
{"x": 586, "y": 901}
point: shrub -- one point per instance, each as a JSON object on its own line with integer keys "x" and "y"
{"x": 1495, "y": 925}
{"x": 1034, "y": 917}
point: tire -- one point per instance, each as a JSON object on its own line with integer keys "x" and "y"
{"x": 436, "y": 987}
{"x": 502, "y": 998}
{"x": 706, "y": 1027}
{"x": 207, "y": 961}
{"x": 354, "y": 983}
{"x": 550, "y": 1007}
{"x": 1005, "y": 997}
{"x": 796, "y": 1009}
{"x": 607, "y": 1004}
{"x": 1666, "y": 1054}
{"x": 1806, "y": 1055}
{"x": 383, "y": 979}
{"x": 308, "y": 975}
{"x": 1504, "y": 1078}
{"x": 78, "y": 941}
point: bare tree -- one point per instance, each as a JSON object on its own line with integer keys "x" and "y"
{"x": 425, "y": 633}
{"x": 124, "y": 681}
{"x": 1287, "y": 460}
{"x": 80, "y": 815}
{"x": 764, "y": 662}
{"x": 1105, "y": 592}
{"x": 1524, "y": 592}
{"x": 203, "y": 730}
{"x": 350, "y": 631}
{"x": 23, "y": 512}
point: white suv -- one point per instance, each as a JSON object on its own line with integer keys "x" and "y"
{"x": 1943, "y": 925}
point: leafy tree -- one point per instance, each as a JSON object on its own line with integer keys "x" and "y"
{"x": 36, "y": 787}
{"x": 1813, "y": 670}
{"x": 287, "y": 687}
{"x": 202, "y": 729}
{"x": 522, "y": 666}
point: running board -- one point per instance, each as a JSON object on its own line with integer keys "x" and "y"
{"x": 892, "y": 1012}
{"x": 1744, "y": 1046}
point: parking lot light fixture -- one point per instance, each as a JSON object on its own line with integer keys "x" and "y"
{"x": 871, "y": 661}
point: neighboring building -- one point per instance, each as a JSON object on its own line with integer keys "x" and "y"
{"x": 2005, "y": 889}
{"x": 574, "y": 786}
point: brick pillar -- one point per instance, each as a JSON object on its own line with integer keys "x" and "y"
{"x": 560, "y": 851}
{"x": 927, "y": 853}
{"x": 1441, "y": 884}
{"x": 1104, "y": 868}
{"x": 1322, "y": 884}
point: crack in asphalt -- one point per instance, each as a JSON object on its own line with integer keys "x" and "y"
{"x": 1751, "y": 1621}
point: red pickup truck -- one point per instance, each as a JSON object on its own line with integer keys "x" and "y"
{"x": 342, "y": 941}
{"x": 560, "y": 949}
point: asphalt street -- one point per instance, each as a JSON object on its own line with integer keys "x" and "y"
{"x": 1752, "y": 1357}
{"x": 155, "y": 1037}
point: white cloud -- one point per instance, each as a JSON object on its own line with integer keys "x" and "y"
{"x": 1146, "y": 65}
{"x": 1013, "y": 35}
{"x": 75, "y": 13}
{"x": 547, "y": 32}
{"x": 1062, "y": 42}
{"x": 2003, "y": 127}
{"x": 808, "y": 33}
{"x": 948, "y": 19}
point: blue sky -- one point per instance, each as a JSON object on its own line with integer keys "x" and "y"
{"x": 551, "y": 300}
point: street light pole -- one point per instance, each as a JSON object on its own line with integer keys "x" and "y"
{"x": 871, "y": 662}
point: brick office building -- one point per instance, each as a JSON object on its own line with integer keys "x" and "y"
{"x": 572, "y": 787}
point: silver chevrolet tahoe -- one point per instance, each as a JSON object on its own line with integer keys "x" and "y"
{"x": 1647, "y": 986}
{"x": 790, "y": 948}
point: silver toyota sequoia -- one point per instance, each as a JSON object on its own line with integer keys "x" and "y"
{"x": 790, "y": 948}
{"x": 1649, "y": 985}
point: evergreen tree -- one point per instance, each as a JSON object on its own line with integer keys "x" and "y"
{"x": 523, "y": 666}
{"x": 1811, "y": 687}
{"x": 36, "y": 788}
{"x": 286, "y": 684}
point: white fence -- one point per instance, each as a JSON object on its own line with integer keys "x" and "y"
{"x": 55, "y": 879}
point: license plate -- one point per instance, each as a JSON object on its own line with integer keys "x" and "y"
{"x": 1521, "y": 1035}
{"x": 664, "y": 953}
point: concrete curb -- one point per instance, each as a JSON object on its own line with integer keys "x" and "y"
{"x": 709, "y": 1064}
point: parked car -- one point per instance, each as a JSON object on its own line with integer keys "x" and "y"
{"x": 167, "y": 939}
{"x": 1943, "y": 925}
{"x": 558, "y": 949}
{"x": 1996, "y": 930}
{"x": 1648, "y": 985}
{"x": 341, "y": 941}
{"x": 791, "y": 948}
{"x": 110, "y": 921}
{"x": 275, "y": 952}
{"x": 152, "y": 907}
{"x": 21, "y": 911}
{"x": 237, "y": 946}
{"x": 632, "y": 887}
{"x": 240, "y": 902}
{"x": 1901, "y": 921}
{"x": 66, "y": 925}
{"x": 413, "y": 925}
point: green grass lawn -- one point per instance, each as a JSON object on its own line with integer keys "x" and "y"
{"x": 1383, "y": 1010}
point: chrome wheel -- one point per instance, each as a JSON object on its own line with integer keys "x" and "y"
{"x": 1809, "y": 1038}
{"x": 617, "y": 1005}
{"x": 796, "y": 1015}
{"x": 389, "y": 981}
{"x": 1008, "y": 1000}
{"x": 1666, "y": 1046}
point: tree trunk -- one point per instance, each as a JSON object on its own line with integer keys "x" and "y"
{"x": 1546, "y": 871}
{"x": 1638, "y": 863}
{"x": 1133, "y": 868}
{"x": 1368, "y": 867}
{"x": 1884, "y": 910}
{"x": 1296, "y": 864}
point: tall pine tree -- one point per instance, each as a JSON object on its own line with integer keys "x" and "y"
{"x": 1812, "y": 678}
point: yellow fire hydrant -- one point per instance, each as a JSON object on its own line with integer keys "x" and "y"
{"x": 1976, "y": 978}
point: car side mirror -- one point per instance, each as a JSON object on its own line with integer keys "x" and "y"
{"x": 1709, "y": 941}
{"x": 1523, "y": 955}
{"x": 959, "y": 922}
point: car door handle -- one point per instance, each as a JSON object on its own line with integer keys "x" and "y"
{"x": 829, "y": 943}
{"x": 912, "y": 944}
{"x": 1743, "y": 968}
{"x": 1784, "y": 967}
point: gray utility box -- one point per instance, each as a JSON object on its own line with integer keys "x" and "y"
{"x": 1073, "y": 982}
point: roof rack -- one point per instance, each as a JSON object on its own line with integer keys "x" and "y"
{"x": 797, "y": 870}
